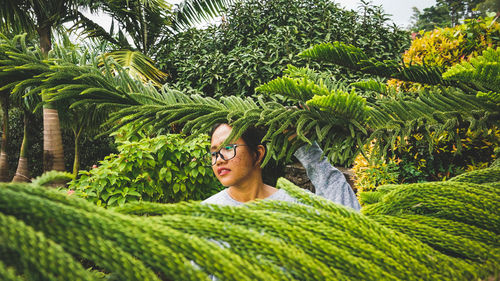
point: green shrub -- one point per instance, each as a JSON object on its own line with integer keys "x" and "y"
{"x": 373, "y": 172}
{"x": 165, "y": 168}
{"x": 411, "y": 161}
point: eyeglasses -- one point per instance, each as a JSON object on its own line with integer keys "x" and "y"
{"x": 227, "y": 152}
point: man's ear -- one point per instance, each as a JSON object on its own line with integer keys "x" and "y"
{"x": 261, "y": 152}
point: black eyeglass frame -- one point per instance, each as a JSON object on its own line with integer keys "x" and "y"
{"x": 217, "y": 153}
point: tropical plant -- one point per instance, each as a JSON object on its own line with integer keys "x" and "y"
{"x": 27, "y": 104}
{"x": 41, "y": 17}
{"x": 453, "y": 236}
{"x": 336, "y": 117}
{"x": 9, "y": 80}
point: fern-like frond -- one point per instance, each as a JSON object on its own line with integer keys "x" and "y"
{"x": 297, "y": 89}
{"x": 336, "y": 52}
{"x": 481, "y": 73}
{"x": 434, "y": 110}
{"x": 375, "y": 86}
{"x": 354, "y": 58}
{"x": 342, "y": 104}
{"x": 53, "y": 177}
{"x": 493, "y": 97}
{"x": 323, "y": 79}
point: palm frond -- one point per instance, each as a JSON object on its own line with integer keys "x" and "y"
{"x": 139, "y": 65}
{"x": 190, "y": 12}
{"x": 93, "y": 29}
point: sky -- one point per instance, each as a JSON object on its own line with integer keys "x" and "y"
{"x": 400, "y": 11}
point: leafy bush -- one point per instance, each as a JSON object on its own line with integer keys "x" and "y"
{"x": 165, "y": 168}
{"x": 448, "y": 46}
{"x": 259, "y": 38}
{"x": 373, "y": 172}
{"x": 445, "y": 47}
{"x": 411, "y": 161}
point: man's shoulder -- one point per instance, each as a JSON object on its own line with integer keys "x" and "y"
{"x": 221, "y": 198}
{"x": 216, "y": 197}
{"x": 282, "y": 195}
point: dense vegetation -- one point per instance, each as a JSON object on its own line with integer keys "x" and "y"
{"x": 259, "y": 38}
{"x": 301, "y": 71}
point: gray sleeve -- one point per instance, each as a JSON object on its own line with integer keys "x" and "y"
{"x": 328, "y": 181}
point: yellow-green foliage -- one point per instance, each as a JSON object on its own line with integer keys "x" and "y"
{"x": 448, "y": 46}
{"x": 445, "y": 47}
{"x": 375, "y": 171}
{"x": 412, "y": 161}
{"x": 45, "y": 233}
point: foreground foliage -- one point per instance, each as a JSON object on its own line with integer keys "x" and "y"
{"x": 433, "y": 231}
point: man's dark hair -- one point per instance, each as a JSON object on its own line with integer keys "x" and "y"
{"x": 252, "y": 137}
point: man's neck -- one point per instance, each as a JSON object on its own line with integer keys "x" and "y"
{"x": 248, "y": 192}
{"x": 251, "y": 191}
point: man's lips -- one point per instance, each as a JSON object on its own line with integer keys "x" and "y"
{"x": 222, "y": 171}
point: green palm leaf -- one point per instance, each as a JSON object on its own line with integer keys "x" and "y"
{"x": 190, "y": 12}
{"x": 138, "y": 65}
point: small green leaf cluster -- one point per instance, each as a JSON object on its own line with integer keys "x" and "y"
{"x": 166, "y": 168}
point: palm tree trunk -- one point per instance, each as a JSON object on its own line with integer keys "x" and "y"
{"x": 4, "y": 163}
{"x": 22, "y": 172}
{"x": 53, "y": 153}
{"x": 76, "y": 163}
{"x": 44, "y": 32}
